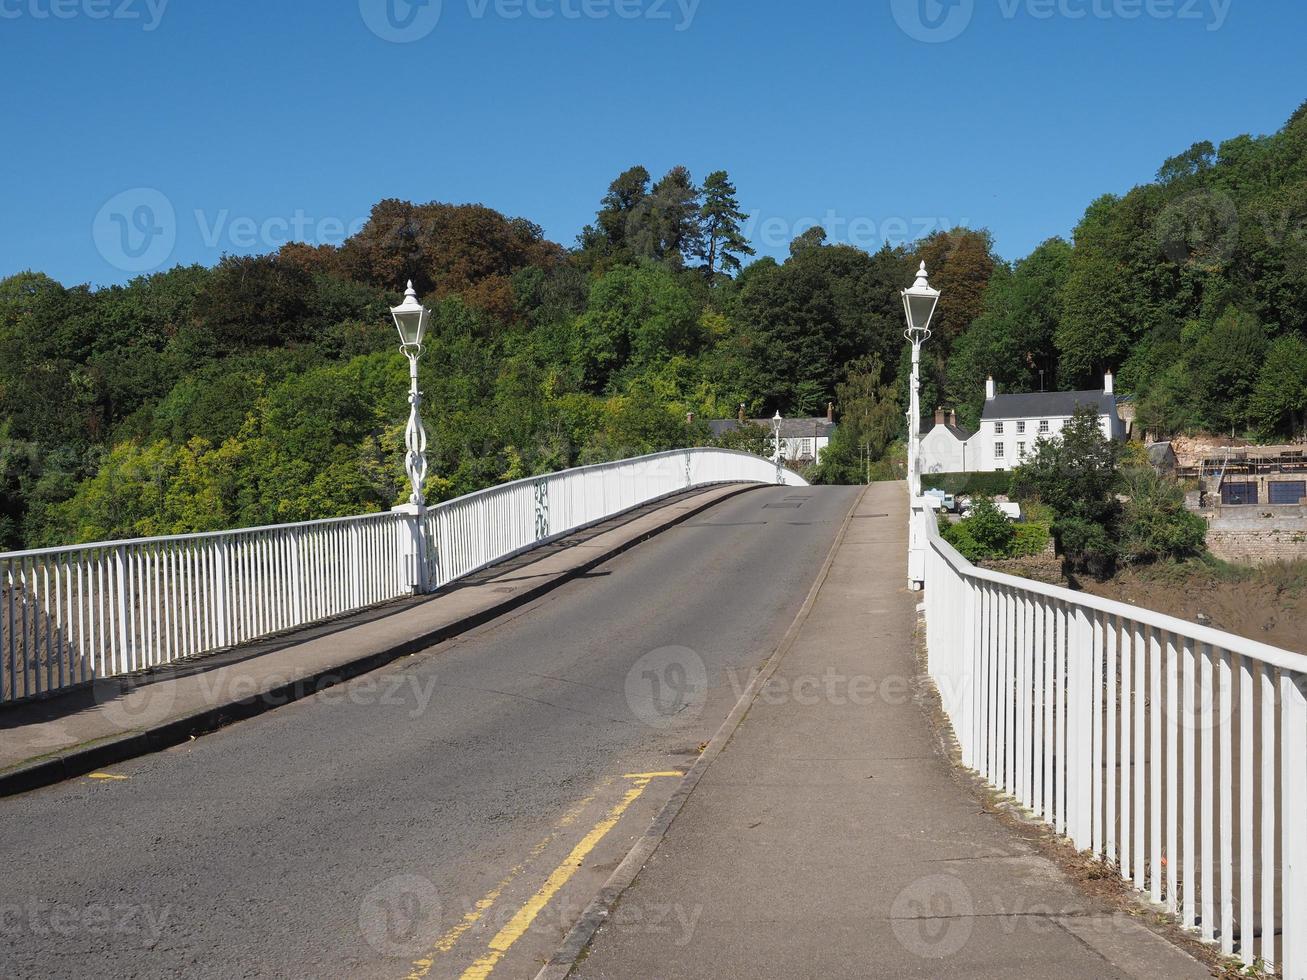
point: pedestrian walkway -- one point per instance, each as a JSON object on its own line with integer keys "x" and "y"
{"x": 115, "y": 719}
{"x": 833, "y": 838}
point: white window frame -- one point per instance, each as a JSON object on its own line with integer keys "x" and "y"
{"x": 998, "y": 428}
{"x": 1000, "y": 452}
{"x": 1044, "y": 427}
{"x": 1021, "y": 428}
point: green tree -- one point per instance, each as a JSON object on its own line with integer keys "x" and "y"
{"x": 1077, "y": 475}
{"x": 723, "y": 242}
{"x": 1278, "y": 406}
{"x": 1155, "y": 524}
{"x": 871, "y": 418}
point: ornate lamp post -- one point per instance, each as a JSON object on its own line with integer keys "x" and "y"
{"x": 919, "y": 304}
{"x": 411, "y": 320}
{"x": 776, "y": 436}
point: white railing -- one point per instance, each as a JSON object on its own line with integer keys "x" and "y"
{"x": 1174, "y": 752}
{"x": 71, "y": 615}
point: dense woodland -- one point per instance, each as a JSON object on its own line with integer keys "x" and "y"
{"x": 270, "y": 387}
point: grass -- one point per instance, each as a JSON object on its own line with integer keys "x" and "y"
{"x": 1286, "y": 578}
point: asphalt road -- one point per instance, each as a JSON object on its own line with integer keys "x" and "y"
{"x": 446, "y": 817}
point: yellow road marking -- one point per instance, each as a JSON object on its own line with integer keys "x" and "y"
{"x": 105, "y": 775}
{"x": 521, "y": 922}
{"x": 653, "y": 775}
{"x": 422, "y": 967}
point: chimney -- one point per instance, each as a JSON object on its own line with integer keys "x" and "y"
{"x": 953, "y": 418}
{"x": 1109, "y": 384}
{"x": 742, "y": 415}
{"x": 940, "y": 417}
{"x": 830, "y": 411}
{"x": 991, "y": 390}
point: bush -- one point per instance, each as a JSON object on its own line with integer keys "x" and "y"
{"x": 1086, "y": 546}
{"x": 1031, "y": 539}
{"x": 1155, "y": 525}
{"x": 991, "y": 528}
{"x": 983, "y": 484}
{"x": 984, "y": 536}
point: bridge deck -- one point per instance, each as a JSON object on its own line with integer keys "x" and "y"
{"x": 832, "y": 837}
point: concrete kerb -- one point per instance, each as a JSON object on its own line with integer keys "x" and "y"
{"x": 92, "y": 756}
{"x": 578, "y": 939}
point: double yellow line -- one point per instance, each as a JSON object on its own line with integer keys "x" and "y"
{"x": 521, "y": 921}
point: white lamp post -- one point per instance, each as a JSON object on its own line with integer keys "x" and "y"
{"x": 919, "y": 304}
{"x": 776, "y": 435}
{"x": 411, "y": 320}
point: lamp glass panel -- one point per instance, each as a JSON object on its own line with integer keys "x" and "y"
{"x": 411, "y": 325}
{"x": 921, "y": 310}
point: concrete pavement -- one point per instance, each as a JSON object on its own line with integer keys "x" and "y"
{"x": 833, "y": 838}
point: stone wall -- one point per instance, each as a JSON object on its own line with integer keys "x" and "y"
{"x": 1259, "y": 535}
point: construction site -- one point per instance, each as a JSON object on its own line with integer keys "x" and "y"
{"x": 1254, "y": 498}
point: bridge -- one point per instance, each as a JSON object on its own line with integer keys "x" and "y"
{"x": 680, "y": 715}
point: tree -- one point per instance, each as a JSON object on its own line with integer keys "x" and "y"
{"x": 871, "y": 418}
{"x": 1076, "y": 475}
{"x": 674, "y": 207}
{"x": 1012, "y": 338}
{"x": 1225, "y": 363}
{"x": 809, "y": 319}
{"x": 1278, "y": 406}
{"x": 720, "y": 217}
{"x": 1155, "y": 524}
{"x": 636, "y": 317}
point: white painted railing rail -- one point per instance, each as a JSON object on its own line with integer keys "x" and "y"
{"x": 1175, "y": 752}
{"x": 72, "y": 615}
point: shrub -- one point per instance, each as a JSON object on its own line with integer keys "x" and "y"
{"x": 985, "y": 535}
{"x": 1155, "y": 525}
{"x": 1086, "y": 546}
{"x": 984, "y": 484}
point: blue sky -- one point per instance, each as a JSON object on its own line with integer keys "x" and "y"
{"x": 140, "y": 133}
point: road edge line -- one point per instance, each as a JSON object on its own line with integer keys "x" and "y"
{"x": 169, "y": 733}
{"x": 579, "y": 937}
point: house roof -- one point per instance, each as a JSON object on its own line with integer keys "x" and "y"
{"x": 958, "y": 433}
{"x": 1047, "y": 404}
{"x": 1160, "y": 453}
{"x": 816, "y": 428}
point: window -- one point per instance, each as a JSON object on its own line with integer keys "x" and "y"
{"x": 805, "y": 448}
{"x": 1043, "y": 427}
{"x": 998, "y": 428}
{"x": 999, "y": 452}
{"x": 1021, "y": 450}
{"x": 1021, "y": 428}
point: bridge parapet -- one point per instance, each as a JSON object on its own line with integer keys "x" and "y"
{"x": 1174, "y": 752}
{"x": 70, "y": 616}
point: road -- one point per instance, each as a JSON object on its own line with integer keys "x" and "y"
{"x": 446, "y": 817}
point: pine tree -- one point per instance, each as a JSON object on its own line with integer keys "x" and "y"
{"x": 722, "y": 240}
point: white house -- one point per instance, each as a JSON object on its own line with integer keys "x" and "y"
{"x": 948, "y": 447}
{"x": 802, "y": 440}
{"x": 1010, "y": 425}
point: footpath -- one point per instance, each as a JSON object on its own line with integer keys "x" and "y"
{"x": 89, "y": 728}
{"x": 832, "y": 836}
